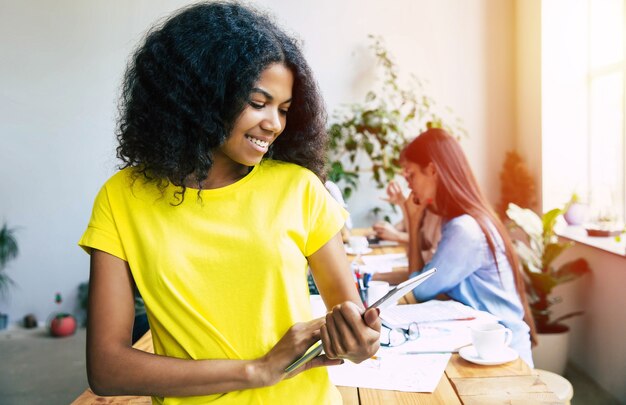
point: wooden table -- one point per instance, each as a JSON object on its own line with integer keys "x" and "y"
{"x": 462, "y": 383}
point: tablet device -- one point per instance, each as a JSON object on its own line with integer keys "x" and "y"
{"x": 388, "y": 300}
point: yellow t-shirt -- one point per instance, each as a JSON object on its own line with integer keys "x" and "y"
{"x": 223, "y": 276}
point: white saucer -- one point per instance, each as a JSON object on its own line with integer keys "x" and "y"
{"x": 469, "y": 354}
{"x": 351, "y": 252}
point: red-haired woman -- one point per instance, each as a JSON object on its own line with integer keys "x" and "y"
{"x": 476, "y": 262}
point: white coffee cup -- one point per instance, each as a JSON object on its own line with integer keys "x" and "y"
{"x": 490, "y": 339}
{"x": 376, "y": 290}
{"x": 358, "y": 244}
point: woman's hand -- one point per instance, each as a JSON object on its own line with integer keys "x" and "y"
{"x": 414, "y": 210}
{"x": 350, "y": 334}
{"x": 394, "y": 193}
{"x": 384, "y": 230}
{"x": 298, "y": 339}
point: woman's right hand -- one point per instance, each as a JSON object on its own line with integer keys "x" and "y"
{"x": 384, "y": 230}
{"x": 298, "y": 339}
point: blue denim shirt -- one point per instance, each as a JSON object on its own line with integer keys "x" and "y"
{"x": 467, "y": 272}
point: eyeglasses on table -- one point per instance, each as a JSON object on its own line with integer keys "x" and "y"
{"x": 391, "y": 337}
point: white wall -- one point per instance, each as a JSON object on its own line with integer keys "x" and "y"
{"x": 564, "y": 67}
{"x": 528, "y": 87}
{"x": 60, "y": 69}
{"x": 597, "y": 343}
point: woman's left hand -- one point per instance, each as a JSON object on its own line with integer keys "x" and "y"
{"x": 414, "y": 209}
{"x": 351, "y": 334}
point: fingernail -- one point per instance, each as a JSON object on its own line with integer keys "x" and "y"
{"x": 377, "y": 311}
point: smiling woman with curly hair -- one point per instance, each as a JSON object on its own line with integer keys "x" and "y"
{"x": 191, "y": 79}
{"x": 215, "y": 217}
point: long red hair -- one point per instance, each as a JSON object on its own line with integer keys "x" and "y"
{"x": 458, "y": 193}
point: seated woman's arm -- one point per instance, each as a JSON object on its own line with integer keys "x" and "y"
{"x": 393, "y": 277}
{"x": 413, "y": 214}
{"x": 385, "y": 231}
{"x": 459, "y": 254}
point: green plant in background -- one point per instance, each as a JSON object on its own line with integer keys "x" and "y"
{"x": 381, "y": 126}
{"x": 83, "y": 301}
{"x": 8, "y": 251}
{"x": 517, "y": 184}
{"x": 537, "y": 254}
{"x": 574, "y": 199}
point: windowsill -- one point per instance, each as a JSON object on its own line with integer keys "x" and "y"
{"x": 579, "y": 234}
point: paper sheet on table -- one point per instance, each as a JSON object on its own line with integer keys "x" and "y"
{"x": 440, "y": 326}
{"x": 414, "y": 373}
{"x": 436, "y": 311}
{"x": 384, "y": 263}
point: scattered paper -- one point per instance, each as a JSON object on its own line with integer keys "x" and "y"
{"x": 410, "y": 373}
{"x": 435, "y": 311}
{"x": 444, "y": 326}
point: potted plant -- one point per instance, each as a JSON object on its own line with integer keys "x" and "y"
{"x": 537, "y": 251}
{"x": 8, "y": 252}
{"x": 61, "y": 324}
{"x": 380, "y": 127}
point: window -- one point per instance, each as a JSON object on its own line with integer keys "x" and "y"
{"x": 583, "y": 108}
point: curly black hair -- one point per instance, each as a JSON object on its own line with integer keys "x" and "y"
{"x": 188, "y": 82}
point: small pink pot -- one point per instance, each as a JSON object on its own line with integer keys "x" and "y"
{"x": 62, "y": 325}
{"x": 576, "y": 214}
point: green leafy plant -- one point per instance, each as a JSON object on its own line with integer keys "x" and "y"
{"x": 537, "y": 252}
{"x": 8, "y": 251}
{"x": 58, "y": 299}
{"x": 381, "y": 126}
{"x": 83, "y": 301}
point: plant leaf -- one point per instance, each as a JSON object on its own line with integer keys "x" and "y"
{"x": 572, "y": 270}
{"x": 552, "y": 251}
{"x": 548, "y": 220}
{"x": 8, "y": 245}
{"x": 566, "y": 316}
{"x": 543, "y": 283}
{"x": 528, "y": 257}
{"x": 527, "y": 220}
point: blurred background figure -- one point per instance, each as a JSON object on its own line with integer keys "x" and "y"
{"x": 335, "y": 192}
{"x": 477, "y": 263}
{"x": 430, "y": 224}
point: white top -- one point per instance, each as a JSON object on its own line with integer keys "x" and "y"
{"x": 335, "y": 192}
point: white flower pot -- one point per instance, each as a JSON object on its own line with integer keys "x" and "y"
{"x": 576, "y": 214}
{"x": 551, "y": 351}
